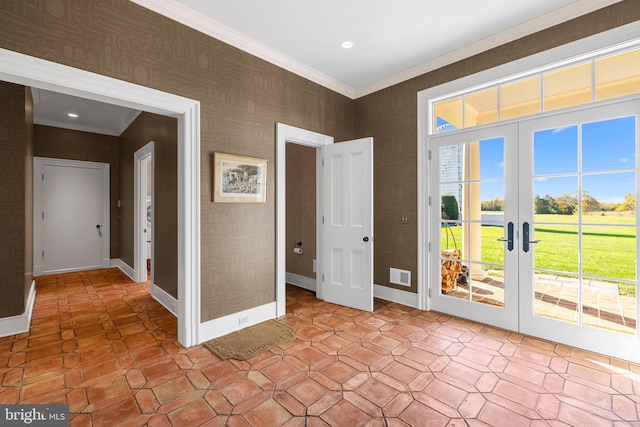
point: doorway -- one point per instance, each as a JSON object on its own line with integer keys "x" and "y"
{"x": 344, "y": 202}
{"x": 144, "y": 168}
{"x": 543, "y": 238}
{"x": 34, "y": 72}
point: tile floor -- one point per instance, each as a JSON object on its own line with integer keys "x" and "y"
{"x": 101, "y": 344}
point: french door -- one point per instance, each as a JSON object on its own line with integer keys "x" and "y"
{"x": 545, "y": 241}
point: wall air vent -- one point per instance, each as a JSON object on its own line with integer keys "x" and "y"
{"x": 400, "y": 277}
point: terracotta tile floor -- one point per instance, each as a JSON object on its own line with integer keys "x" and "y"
{"x": 101, "y": 344}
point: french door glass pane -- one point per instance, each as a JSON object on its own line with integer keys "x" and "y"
{"x": 608, "y": 145}
{"x": 472, "y": 258}
{"x": 585, "y": 221}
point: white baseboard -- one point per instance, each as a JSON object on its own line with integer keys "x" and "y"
{"x": 124, "y": 267}
{"x": 165, "y": 299}
{"x": 301, "y": 281}
{"x": 395, "y": 295}
{"x": 225, "y": 325}
{"x": 18, "y": 324}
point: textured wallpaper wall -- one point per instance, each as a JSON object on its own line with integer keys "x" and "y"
{"x": 301, "y": 209}
{"x": 13, "y": 146}
{"x": 163, "y": 131}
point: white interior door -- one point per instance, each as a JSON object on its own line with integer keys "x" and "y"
{"x": 473, "y": 258}
{"x": 348, "y": 224}
{"x": 71, "y": 216}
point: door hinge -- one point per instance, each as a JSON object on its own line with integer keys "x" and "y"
{"x": 429, "y": 154}
{"x": 322, "y": 219}
{"x": 429, "y": 247}
{"x": 323, "y": 161}
{"x": 322, "y": 277}
{"x": 43, "y": 215}
{"x": 43, "y": 176}
{"x": 429, "y": 201}
{"x": 42, "y": 254}
{"x": 429, "y": 292}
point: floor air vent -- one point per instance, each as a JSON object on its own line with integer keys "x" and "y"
{"x": 400, "y": 277}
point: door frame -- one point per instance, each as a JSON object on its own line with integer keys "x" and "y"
{"x": 38, "y": 164}
{"x": 39, "y": 73}
{"x": 293, "y": 135}
{"x": 139, "y": 204}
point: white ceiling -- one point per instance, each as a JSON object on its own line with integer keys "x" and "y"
{"x": 52, "y": 109}
{"x": 393, "y": 41}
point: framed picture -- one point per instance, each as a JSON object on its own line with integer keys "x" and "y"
{"x": 239, "y": 179}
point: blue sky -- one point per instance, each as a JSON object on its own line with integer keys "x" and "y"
{"x": 608, "y": 148}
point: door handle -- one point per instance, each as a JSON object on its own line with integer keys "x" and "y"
{"x": 365, "y": 239}
{"x": 525, "y": 237}
{"x": 509, "y": 238}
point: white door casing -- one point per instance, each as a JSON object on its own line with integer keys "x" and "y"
{"x": 348, "y": 224}
{"x": 38, "y": 73}
{"x": 286, "y": 134}
{"x": 71, "y": 216}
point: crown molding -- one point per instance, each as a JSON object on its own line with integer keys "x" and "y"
{"x": 548, "y": 20}
{"x": 177, "y": 12}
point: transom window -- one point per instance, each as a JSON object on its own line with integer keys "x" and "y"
{"x": 594, "y": 77}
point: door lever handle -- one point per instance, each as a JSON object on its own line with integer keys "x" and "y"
{"x": 509, "y": 238}
{"x": 365, "y": 239}
{"x": 98, "y": 226}
{"x": 526, "y": 241}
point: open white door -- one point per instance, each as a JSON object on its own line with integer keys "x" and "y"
{"x": 348, "y": 224}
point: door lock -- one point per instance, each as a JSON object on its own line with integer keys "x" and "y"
{"x": 365, "y": 239}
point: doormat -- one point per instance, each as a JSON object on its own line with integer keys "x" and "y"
{"x": 251, "y": 341}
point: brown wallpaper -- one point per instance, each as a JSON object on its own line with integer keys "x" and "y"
{"x": 164, "y": 132}
{"x": 13, "y": 146}
{"x": 28, "y": 200}
{"x": 68, "y": 144}
{"x": 390, "y": 116}
{"x": 241, "y": 96}
{"x": 301, "y": 209}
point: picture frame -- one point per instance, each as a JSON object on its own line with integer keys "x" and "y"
{"x": 239, "y": 179}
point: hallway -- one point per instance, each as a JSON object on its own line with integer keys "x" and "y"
{"x": 101, "y": 344}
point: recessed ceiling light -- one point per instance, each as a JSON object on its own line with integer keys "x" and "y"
{"x": 347, "y": 44}
{"x": 74, "y": 115}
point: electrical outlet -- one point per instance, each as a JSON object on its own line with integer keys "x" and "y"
{"x": 405, "y": 219}
{"x": 243, "y": 320}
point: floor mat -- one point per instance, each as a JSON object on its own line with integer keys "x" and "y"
{"x": 251, "y": 341}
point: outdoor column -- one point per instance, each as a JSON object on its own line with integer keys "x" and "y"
{"x": 472, "y": 210}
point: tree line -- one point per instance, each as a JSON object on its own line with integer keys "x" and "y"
{"x": 567, "y": 204}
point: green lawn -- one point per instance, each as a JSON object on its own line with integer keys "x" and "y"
{"x": 608, "y": 248}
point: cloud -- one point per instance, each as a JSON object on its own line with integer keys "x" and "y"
{"x": 624, "y": 160}
{"x": 558, "y": 130}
